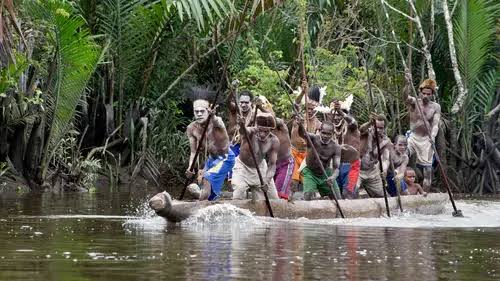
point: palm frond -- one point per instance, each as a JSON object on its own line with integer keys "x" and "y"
{"x": 76, "y": 58}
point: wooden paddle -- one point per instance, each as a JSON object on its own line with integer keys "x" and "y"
{"x": 384, "y": 183}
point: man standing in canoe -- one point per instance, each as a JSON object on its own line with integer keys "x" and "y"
{"x": 419, "y": 140}
{"x": 220, "y": 160}
{"x": 265, "y": 145}
{"x": 245, "y": 104}
{"x": 329, "y": 153}
{"x": 312, "y": 125}
{"x": 285, "y": 163}
{"x": 347, "y": 136}
{"x": 370, "y": 177}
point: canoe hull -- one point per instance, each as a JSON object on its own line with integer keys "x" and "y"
{"x": 432, "y": 204}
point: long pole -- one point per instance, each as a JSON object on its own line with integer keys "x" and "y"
{"x": 456, "y": 212}
{"x": 209, "y": 119}
{"x": 384, "y": 183}
{"x": 250, "y": 147}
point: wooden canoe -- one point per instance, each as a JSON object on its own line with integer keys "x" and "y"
{"x": 432, "y": 204}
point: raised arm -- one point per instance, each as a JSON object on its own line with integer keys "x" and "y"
{"x": 230, "y": 103}
{"x": 363, "y": 129}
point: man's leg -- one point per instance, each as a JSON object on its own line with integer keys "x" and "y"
{"x": 310, "y": 184}
{"x": 426, "y": 184}
{"x": 374, "y": 185}
{"x": 352, "y": 180}
{"x": 206, "y": 190}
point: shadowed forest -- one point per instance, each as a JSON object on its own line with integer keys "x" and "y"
{"x": 98, "y": 88}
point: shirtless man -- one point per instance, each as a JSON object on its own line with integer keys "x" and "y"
{"x": 329, "y": 153}
{"x": 313, "y": 126}
{"x": 220, "y": 158}
{"x": 285, "y": 162}
{"x": 245, "y": 105}
{"x": 413, "y": 188}
{"x": 266, "y": 146}
{"x": 347, "y": 136}
{"x": 418, "y": 141}
{"x": 399, "y": 161}
{"x": 370, "y": 178}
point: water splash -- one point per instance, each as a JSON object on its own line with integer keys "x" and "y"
{"x": 476, "y": 214}
{"x": 221, "y": 214}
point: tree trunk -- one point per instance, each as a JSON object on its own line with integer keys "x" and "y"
{"x": 425, "y": 45}
{"x": 462, "y": 91}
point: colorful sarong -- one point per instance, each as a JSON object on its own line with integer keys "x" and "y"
{"x": 315, "y": 183}
{"x": 298, "y": 157}
{"x": 245, "y": 177}
{"x": 391, "y": 185}
{"x": 283, "y": 177}
{"x": 216, "y": 170}
{"x": 422, "y": 147}
{"x": 348, "y": 178}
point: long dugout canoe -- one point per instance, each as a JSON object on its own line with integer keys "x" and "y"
{"x": 177, "y": 211}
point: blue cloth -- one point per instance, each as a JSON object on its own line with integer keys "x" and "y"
{"x": 343, "y": 178}
{"x": 216, "y": 171}
{"x": 391, "y": 185}
{"x": 236, "y": 150}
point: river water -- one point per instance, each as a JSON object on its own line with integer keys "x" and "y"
{"x": 113, "y": 236}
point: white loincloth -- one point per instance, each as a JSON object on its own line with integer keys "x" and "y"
{"x": 422, "y": 147}
{"x": 245, "y": 177}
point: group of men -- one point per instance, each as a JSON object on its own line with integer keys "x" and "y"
{"x": 327, "y": 154}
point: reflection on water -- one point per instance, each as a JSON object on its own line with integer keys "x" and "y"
{"x": 114, "y": 236}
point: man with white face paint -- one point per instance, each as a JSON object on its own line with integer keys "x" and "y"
{"x": 419, "y": 140}
{"x": 245, "y": 105}
{"x": 266, "y": 146}
{"x": 220, "y": 158}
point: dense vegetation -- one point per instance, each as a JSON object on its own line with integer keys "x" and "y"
{"x": 97, "y": 87}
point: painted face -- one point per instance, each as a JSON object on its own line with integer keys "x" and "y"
{"x": 426, "y": 94}
{"x": 263, "y": 133}
{"x": 200, "y": 114}
{"x": 380, "y": 125}
{"x": 410, "y": 177}
{"x": 245, "y": 104}
{"x": 326, "y": 133}
{"x": 401, "y": 146}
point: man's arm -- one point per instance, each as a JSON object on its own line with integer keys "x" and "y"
{"x": 230, "y": 103}
{"x": 400, "y": 171}
{"x": 272, "y": 157}
{"x": 435, "y": 121}
{"x": 218, "y": 123}
{"x": 386, "y": 158}
{"x": 193, "y": 144}
{"x": 363, "y": 129}
{"x": 336, "y": 161}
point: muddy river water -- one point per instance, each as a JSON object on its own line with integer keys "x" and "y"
{"x": 114, "y": 236}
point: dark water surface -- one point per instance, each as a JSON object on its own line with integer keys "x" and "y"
{"x": 113, "y": 236}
